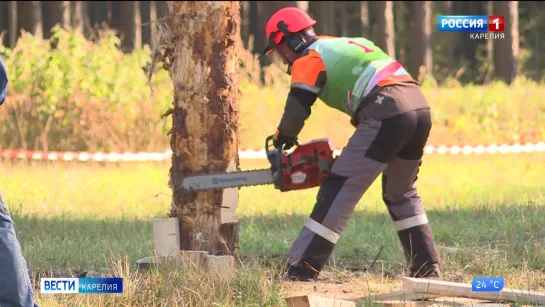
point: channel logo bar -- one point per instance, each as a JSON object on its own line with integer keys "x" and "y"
{"x": 470, "y": 23}
{"x": 81, "y": 285}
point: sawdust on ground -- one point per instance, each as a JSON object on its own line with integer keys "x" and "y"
{"x": 350, "y": 287}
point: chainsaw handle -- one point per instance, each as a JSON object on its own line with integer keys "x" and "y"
{"x": 276, "y": 161}
{"x": 268, "y": 143}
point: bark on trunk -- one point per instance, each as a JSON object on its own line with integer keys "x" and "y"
{"x": 384, "y": 34}
{"x": 506, "y": 50}
{"x": 205, "y": 120}
{"x": 421, "y": 62}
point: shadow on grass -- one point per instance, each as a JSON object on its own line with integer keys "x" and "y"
{"x": 485, "y": 240}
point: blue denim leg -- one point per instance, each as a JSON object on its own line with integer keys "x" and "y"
{"x": 15, "y": 286}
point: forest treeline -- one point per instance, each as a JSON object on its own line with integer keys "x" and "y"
{"x": 405, "y": 29}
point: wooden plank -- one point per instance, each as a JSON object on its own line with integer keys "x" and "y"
{"x": 404, "y": 298}
{"x": 401, "y": 296}
{"x": 166, "y": 236}
{"x": 452, "y": 289}
{"x": 317, "y": 301}
{"x": 406, "y": 303}
{"x": 439, "y": 303}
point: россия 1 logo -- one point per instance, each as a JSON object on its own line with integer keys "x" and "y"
{"x": 479, "y": 27}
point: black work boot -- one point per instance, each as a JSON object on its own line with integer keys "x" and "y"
{"x": 420, "y": 253}
{"x": 298, "y": 272}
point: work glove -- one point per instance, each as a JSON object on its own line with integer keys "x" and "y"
{"x": 279, "y": 139}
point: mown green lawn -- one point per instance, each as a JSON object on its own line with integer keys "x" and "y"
{"x": 487, "y": 213}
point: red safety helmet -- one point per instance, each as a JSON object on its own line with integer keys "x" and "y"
{"x": 294, "y": 18}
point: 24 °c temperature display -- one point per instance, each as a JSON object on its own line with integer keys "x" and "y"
{"x": 487, "y": 284}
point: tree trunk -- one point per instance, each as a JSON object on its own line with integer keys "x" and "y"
{"x": 162, "y": 9}
{"x": 116, "y": 23}
{"x": 145, "y": 28}
{"x": 470, "y": 48}
{"x": 364, "y": 15}
{"x": 384, "y": 33}
{"x": 506, "y": 50}
{"x": 13, "y": 24}
{"x": 489, "y": 46}
{"x": 4, "y": 23}
{"x": 324, "y": 13}
{"x": 302, "y": 5}
{"x": 354, "y": 25}
{"x": 421, "y": 54}
{"x": 260, "y": 12}
{"x": 130, "y": 25}
{"x": 451, "y": 43}
{"x": 315, "y": 11}
{"x": 205, "y": 120}
{"x": 255, "y": 29}
{"x": 341, "y": 22}
{"x": 55, "y": 13}
{"x": 99, "y": 13}
{"x": 80, "y": 17}
{"x": 30, "y": 17}
{"x": 245, "y": 23}
{"x": 154, "y": 22}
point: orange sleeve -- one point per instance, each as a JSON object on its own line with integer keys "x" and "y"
{"x": 308, "y": 72}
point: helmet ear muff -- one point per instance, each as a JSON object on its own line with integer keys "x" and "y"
{"x": 294, "y": 41}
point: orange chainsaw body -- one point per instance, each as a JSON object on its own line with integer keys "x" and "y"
{"x": 305, "y": 167}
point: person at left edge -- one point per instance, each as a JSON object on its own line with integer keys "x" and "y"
{"x": 15, "y": 286}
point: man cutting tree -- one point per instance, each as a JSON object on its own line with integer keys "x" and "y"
{"x": 392, "y": 121}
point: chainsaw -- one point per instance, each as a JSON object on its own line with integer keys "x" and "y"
{"x": 303, "y": 168}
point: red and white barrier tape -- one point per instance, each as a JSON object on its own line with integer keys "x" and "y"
{"x": 248, "y": 153}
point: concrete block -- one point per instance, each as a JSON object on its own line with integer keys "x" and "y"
{"x": 166, "y": 236}
{"x": 222, "y": 266}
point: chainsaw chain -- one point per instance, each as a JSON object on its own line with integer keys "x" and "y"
{"x": 234, "y": 186}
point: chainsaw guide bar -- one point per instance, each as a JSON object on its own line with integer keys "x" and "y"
{"x": 219, "y": 181}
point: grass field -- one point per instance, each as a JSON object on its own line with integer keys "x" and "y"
{"x": 486, "y": 211}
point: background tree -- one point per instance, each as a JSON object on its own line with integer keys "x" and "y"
{"x": 383, "y": 28}
{"x": 131, "y": 25}
{"x": 421, "y": 64}
{"x": 506, "y": 51}
{"x": 31, "y": 20}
